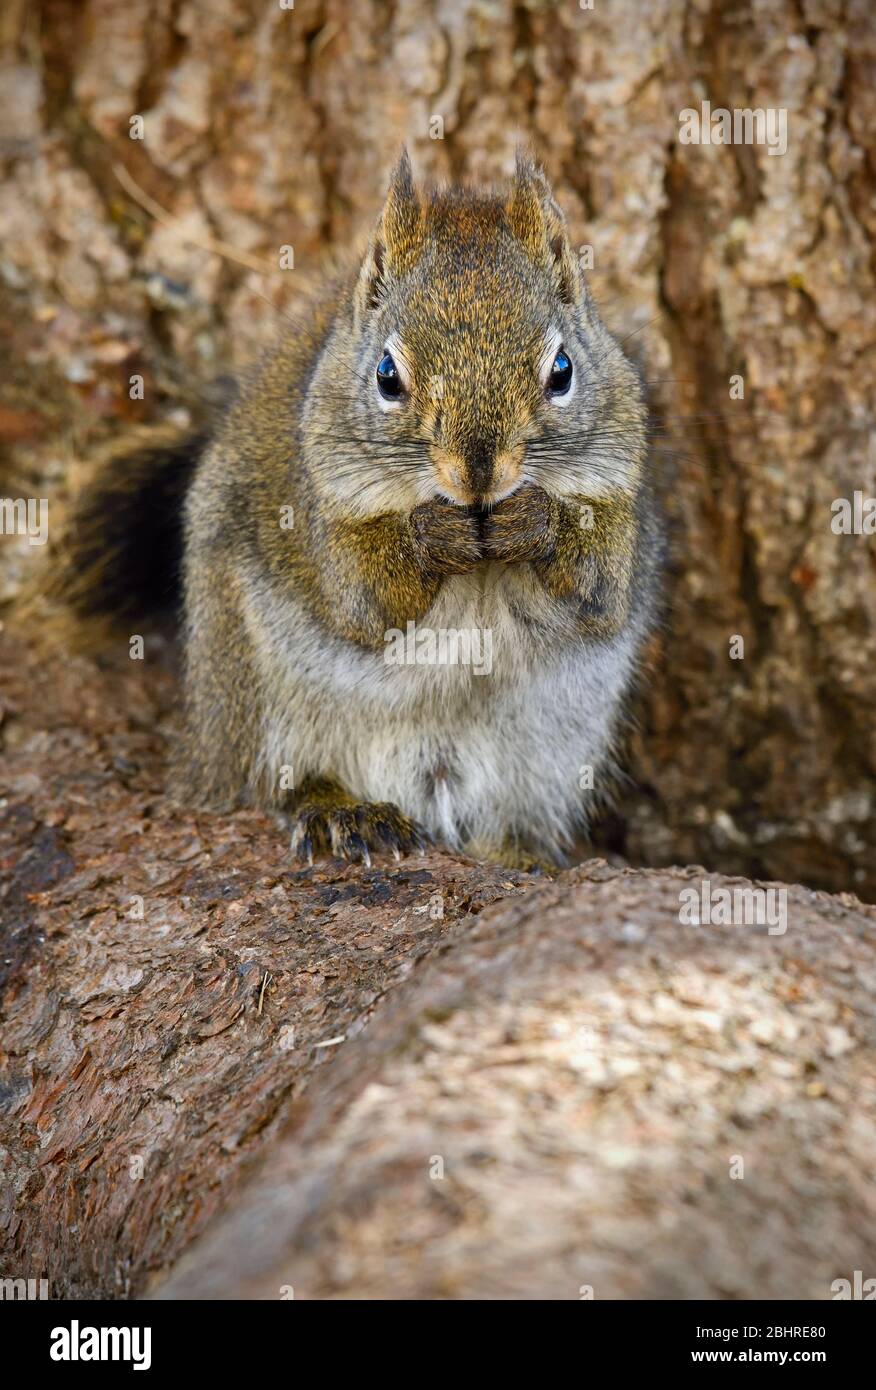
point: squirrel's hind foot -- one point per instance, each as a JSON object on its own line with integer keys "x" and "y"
{"x": 329, "y": 821}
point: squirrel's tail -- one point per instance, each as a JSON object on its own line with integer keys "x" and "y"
{"x": 119, "y": 556}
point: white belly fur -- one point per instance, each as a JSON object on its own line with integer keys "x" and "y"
{"x": 477, "y": 759}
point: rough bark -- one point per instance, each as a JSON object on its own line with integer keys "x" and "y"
{"x": 182, "y": 1006}
{"x": 168, "y": 981}
{"x": 266, "y": 127}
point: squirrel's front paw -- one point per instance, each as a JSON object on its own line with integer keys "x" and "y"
{"x": 350, "y": 831}
{"x": 522, "y": 528}
{"x": 447, "y": 539}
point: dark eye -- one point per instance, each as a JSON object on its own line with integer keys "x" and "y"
{"x": 389, "y": 383}
{"x": 560, "y": 378}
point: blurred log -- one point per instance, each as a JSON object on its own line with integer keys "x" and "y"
{"x": 577, "y": 1097}
{"x": 181, "y": 1004}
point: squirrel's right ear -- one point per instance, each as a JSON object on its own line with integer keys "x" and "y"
{"x": 397, "y": 240}
{"x": 536, "y": 220}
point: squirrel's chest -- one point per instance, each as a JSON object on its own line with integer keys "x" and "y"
{"x": 480, "y": 637}
{"x": 495, "y": 620}
{"x": 476, "y": 719}
{"x": 486, "y": 759}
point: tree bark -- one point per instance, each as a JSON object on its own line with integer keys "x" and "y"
{"x": 189, "y": 1021}
{"x": 576, "y": 1097}
{"x": 432, "y": 1079}
{"x": 265, "y": 128}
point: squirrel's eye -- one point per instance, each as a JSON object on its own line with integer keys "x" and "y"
{"x": 560, "y": 378}
{"x": 389, "y": 383}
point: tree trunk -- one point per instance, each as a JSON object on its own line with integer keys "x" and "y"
{"x": 170, "y": 981}
{"x": 266, "y": 128}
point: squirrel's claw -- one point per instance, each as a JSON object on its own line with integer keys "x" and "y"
{"x": 301, "y": 843}
{"x": 353, "y": 831}
{"x": 354, "y": 848}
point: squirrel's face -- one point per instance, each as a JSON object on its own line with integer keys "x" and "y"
{"x": 477, "y": 361}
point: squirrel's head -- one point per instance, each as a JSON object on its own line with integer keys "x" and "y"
{"x": 472, "y": 358}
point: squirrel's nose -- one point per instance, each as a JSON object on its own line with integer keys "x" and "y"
{"x": 494, "y": 473}
{"x": 479, "y": 474}
{"x": 479, "y": 462}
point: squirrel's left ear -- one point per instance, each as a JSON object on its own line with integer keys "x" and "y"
{"x": 397, "y": 240}
{"x": 537, "y": 222}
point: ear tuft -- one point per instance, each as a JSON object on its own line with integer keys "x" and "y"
{"x": 538, "y": 224}
{"x": 401, "y": 182}
{"x": 397, "y": 241}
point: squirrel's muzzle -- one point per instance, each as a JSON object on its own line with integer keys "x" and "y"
{"x": 480, "y": 475}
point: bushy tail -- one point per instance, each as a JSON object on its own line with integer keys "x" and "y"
{"x": 119, "y": 555}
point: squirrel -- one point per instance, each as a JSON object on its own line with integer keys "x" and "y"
{"x": 449, "y": 456}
